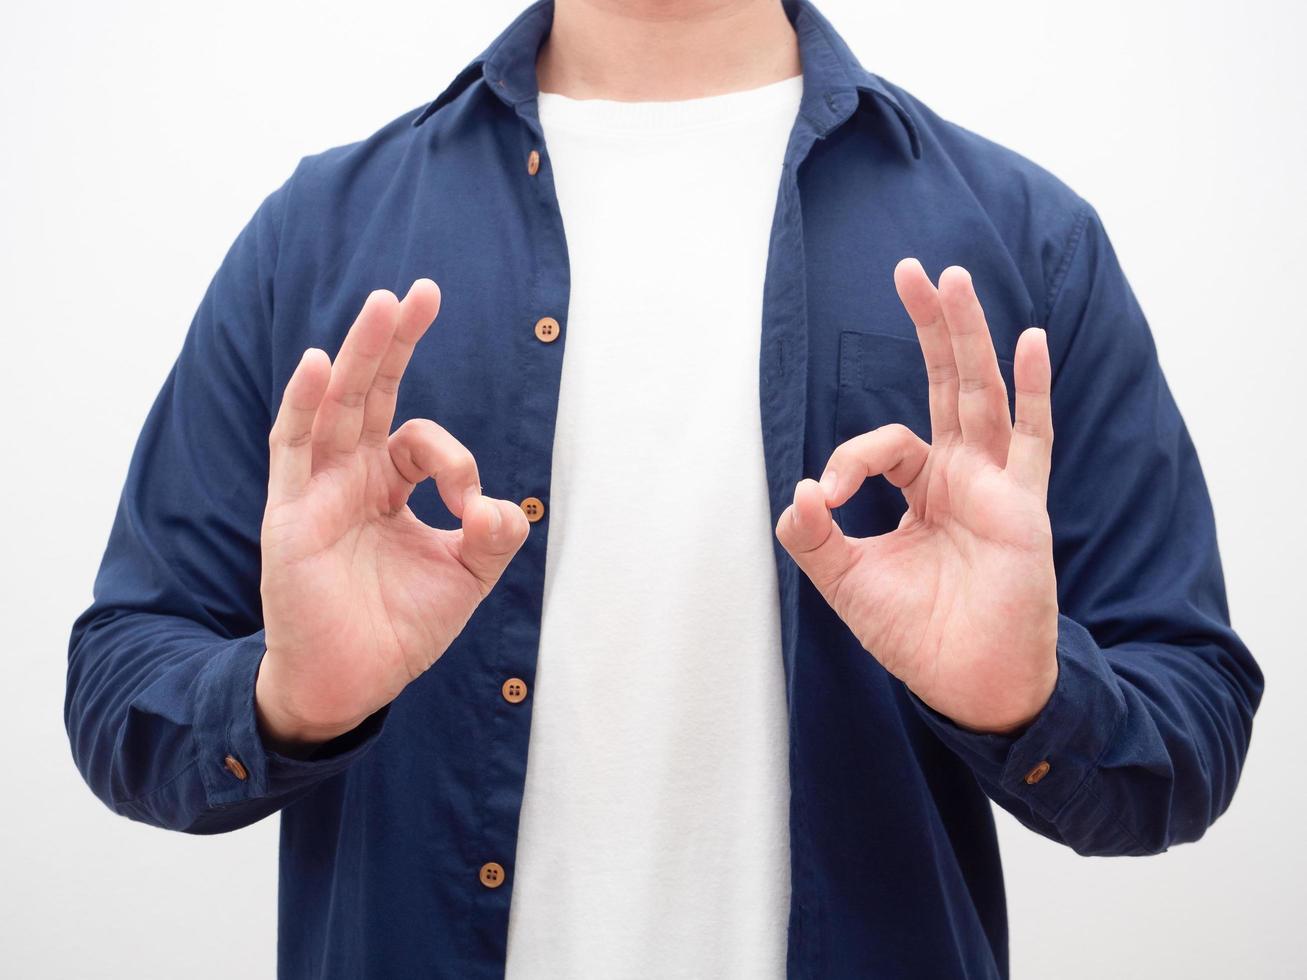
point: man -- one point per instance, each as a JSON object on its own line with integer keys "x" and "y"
{"x": 750, "y": 754}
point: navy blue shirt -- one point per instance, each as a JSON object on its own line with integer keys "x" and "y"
{"x": 895, "y": 866}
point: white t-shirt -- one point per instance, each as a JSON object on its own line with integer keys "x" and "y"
{"x": 654, "y": 837}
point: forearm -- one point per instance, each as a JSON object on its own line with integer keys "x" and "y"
{"x": 1139, "y": 748}
{"x": 161, "y": 719}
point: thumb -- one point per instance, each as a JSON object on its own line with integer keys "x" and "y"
{"x": 808, "y": 532}
{"x": 493, "y": 531}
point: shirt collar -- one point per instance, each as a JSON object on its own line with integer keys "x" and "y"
{"x": 833, "y": 78}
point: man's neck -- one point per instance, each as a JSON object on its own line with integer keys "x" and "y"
{"x": 665, "y": 50}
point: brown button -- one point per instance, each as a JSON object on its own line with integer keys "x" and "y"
{"x": 547, "y": 329}
{"x": 1038, "y": 773}
{"x": 533, "y": 163}
{"x": 514, "y": 690}
{"x": 492, "y": 874}
{"x": 534, "y": 508}
{"x": 233, "y": 766}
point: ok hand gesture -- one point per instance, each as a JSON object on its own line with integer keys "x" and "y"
{"x": 960, "y": 602}
{"x": 359, "y": 596}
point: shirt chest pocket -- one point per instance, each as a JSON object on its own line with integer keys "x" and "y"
{"x": 882, "y": 379}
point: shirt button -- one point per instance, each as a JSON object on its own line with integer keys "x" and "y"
{"x": 1038, "y": 773}
{"x": 492, "y": 874}
{"x": 233, "y": 766}
{"x": 534, "y": 508}
{"x": 514, "y": 690}
{"x": 547, "y": 329}
{"x": 533, "y": 163}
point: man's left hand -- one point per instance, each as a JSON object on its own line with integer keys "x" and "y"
{"x": 960, "y": 601}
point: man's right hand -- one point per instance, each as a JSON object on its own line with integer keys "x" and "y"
{"x": 359, "y": 596}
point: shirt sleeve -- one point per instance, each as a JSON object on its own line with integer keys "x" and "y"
{"x": 159, "y": 704}
{"x": 1141, "y": 744}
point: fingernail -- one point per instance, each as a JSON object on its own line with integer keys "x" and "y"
{"x": 829, "y": 481}
{"x": 495, "y": 518}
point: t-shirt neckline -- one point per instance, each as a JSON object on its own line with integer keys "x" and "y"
{"x": 611, "y": 115}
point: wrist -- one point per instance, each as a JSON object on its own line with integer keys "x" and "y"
{"x": 1011, "y": 722}
{"x": 284, "y": 730}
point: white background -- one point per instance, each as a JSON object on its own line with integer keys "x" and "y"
{"x": 137, "y": 138}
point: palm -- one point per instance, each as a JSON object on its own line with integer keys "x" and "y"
{"x": 974, "y": 545}
{"x": 960, "y": 601}
{"x": 359, "y": 595}
{"x": 409, "y": 594}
